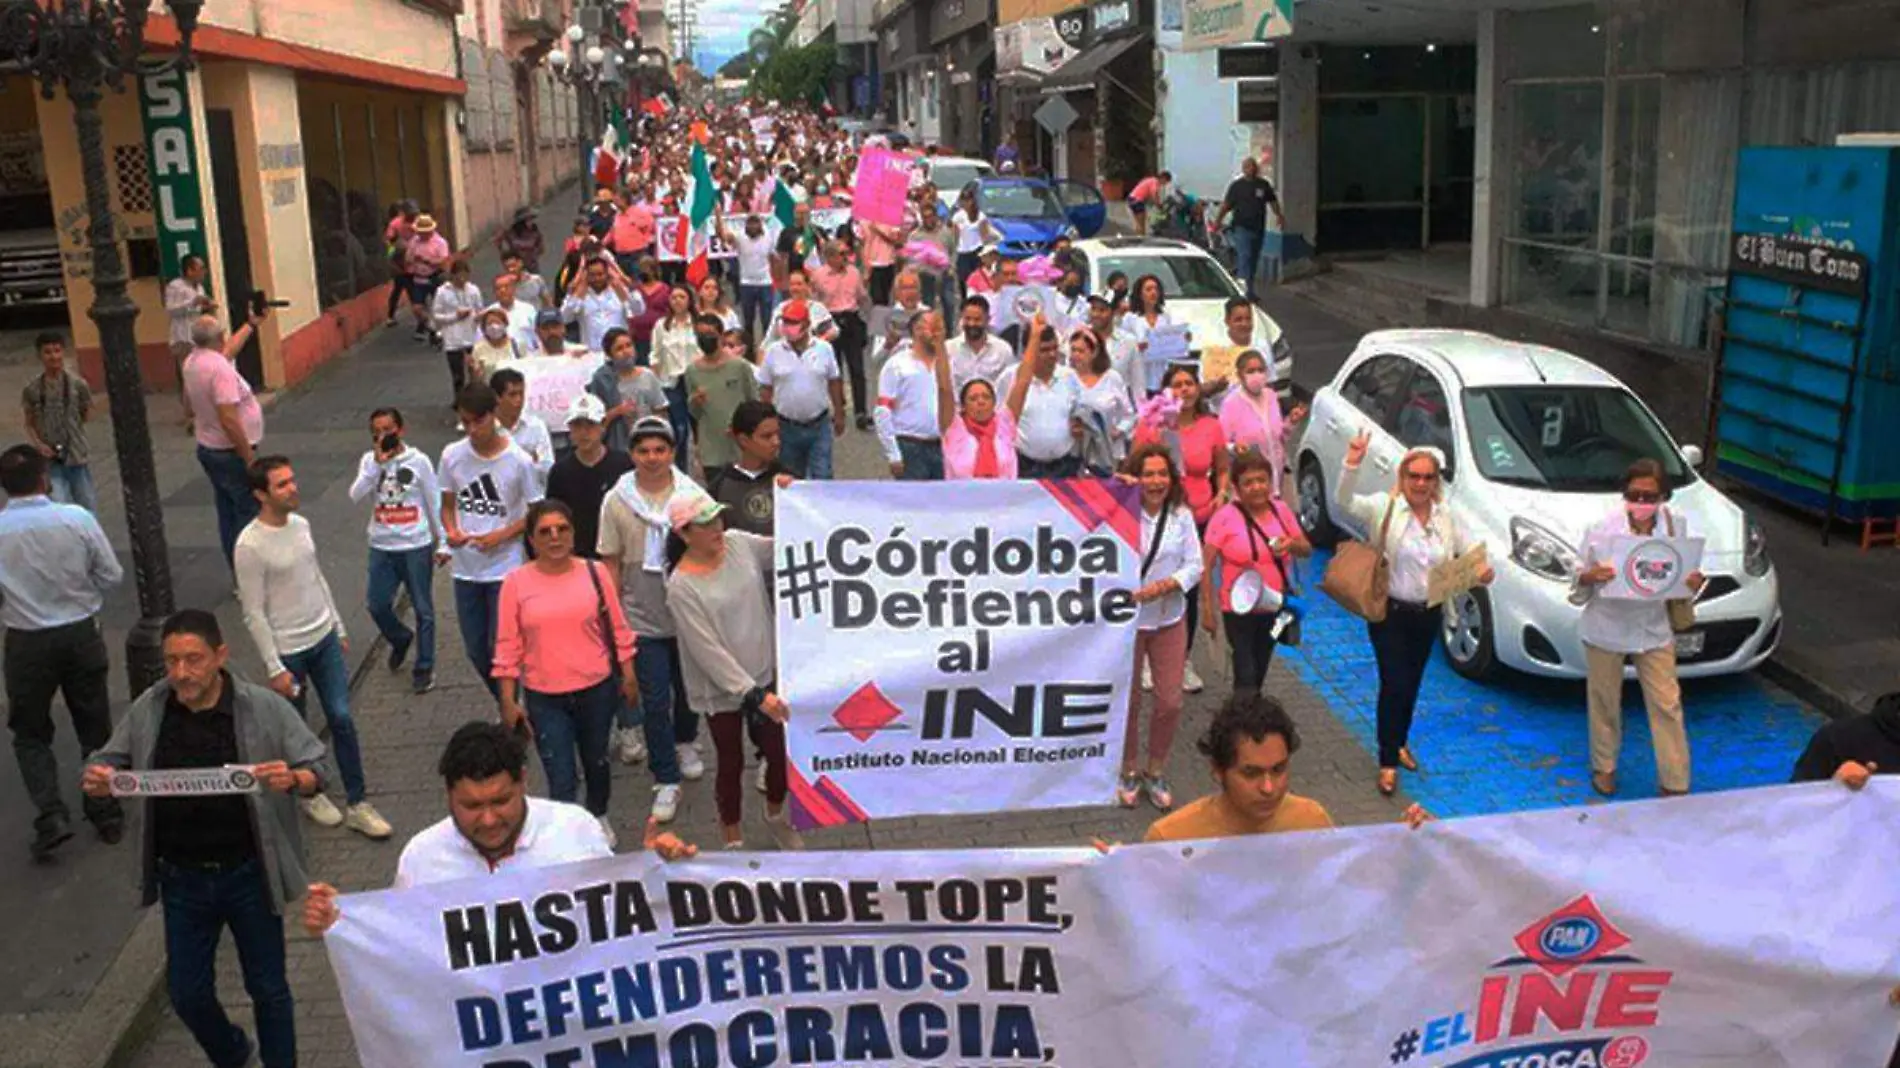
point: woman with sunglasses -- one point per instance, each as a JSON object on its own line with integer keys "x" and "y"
{"x": 1419, "y": 533}
{"x": 562, "y": 673}
{"x": 1615, "y": 630}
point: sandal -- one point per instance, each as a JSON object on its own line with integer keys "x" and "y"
{"x": 1159, "y": 793}
{"x": 1406, "y": 759}
{"x": 1128, "y": 791}
{"x": 1388, "y": 781}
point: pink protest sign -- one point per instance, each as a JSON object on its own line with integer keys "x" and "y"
{"x": 879, "y": 190}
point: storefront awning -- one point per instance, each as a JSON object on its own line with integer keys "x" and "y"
{"x": 1079, "y": 73}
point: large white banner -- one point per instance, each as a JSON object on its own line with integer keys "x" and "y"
{"x": 934, "y": 636}
{"x": 1754, "y": 929}
{"x": 553, "y": 382}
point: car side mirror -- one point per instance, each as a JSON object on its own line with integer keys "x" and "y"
{"x": 1692, "y": 455}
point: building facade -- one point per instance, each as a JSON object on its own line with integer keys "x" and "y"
{"x": 519, "y": 124}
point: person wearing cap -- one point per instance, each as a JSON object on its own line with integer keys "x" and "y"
{"x": 427, "y": 258}
{"x": 600, "y": 214}
{"x": 716, "y": 589}
{"x": 987, "y": 276}
{"x": 798, "y": 287}
{"x": 550, "y": 336}
{"x": 602, "y": 298}
{"x": 632, "y": 542}
{"x": 799, "y": 377}
{"x": 582, "y": 478}
{"x": 522, "y": 239}
{"x": 521, "y": 313}
{"x": 495, "y": 347}
{"x": 454, "y": 309}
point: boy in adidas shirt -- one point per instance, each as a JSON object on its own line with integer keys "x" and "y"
{"x": 487, "y": 485}
{"x": 524, "y": 428}
{"x": 405, "y": 541}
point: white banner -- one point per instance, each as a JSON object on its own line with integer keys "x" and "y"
{"x": 553, "y": 382}
{"x": 1750, "y": 929}
{"x": 185, "y": 782}
{"x": 936, "y": 635}
{"x": 666, "y": 231}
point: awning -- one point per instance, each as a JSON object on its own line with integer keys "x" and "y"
{"x": 1079, "y": 73}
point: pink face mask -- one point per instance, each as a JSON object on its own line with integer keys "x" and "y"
{"x": 1254, "y": 381}
{"x": 1641, "y": 512}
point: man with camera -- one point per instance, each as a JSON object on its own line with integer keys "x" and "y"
{"x": 58, "y": 405}
{"x": 228, "y": 422}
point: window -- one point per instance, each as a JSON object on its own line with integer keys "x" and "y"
{"x": 1019, "y": 202}
{"x": 1182, "y": 277}
{"x": 1256, "y": 101}
{"x": 1568, "y": 439}
{"x": 1374, "y": 387}
{"x": 1425, "y": 417}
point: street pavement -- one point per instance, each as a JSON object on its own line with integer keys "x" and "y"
{"x": 1504, "y": 747}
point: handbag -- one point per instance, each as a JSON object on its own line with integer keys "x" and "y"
{"x": 1681, "y": 609}
{"x": 1358, "y": 576}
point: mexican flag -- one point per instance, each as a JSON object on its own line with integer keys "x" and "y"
{"x": 700, "y": 200}
{"x": 781, "y": 204}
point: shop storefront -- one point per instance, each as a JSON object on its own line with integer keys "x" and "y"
{"x": 960, "y": 35}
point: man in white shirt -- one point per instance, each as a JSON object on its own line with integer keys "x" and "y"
{"x": 755, "y": 275}
{"x": 487, "y": 484}
{"x": 454, "y": 309}
{"x": 906, "y": 411}
{"x": 1124, "y": 355}
{"x": 525, "y": 429}
{"x": 185, "y": 301}
{"x": 1045, "y": 399}
{"x": 799, "y": 376}
{"x": 405, "y": 541}
{"x": 521, "y": 314}
{"x": 976, "y": 353}
{"x": 601, "y": 300}
{"x": 492, "y": 825}
{"x": 293, "y": 619}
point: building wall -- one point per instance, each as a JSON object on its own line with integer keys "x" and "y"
{"x": 1203, "y": 141}
{"x": 389, "y": 31}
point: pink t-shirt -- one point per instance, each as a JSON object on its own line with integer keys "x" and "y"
{"x": 837, "y": 290}
{"x": 211, "y": 380}
{"x": 1144, "y": 191}
{"x": 429, "y": 255}
{"x": 1241, "y": 550}
{"x": 959, "y": 447}
{"x": 633, "y": 230}
{"x": 1199, "y": 444}
{"x": 548, "y": 634}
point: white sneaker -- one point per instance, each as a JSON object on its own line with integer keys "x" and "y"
{"x": 692, "y": 768}
{"x": 1191, "y": 680}
{"x": 366, "y": 821}
{"x": 783, "y": 833}
{"x": 607, "y": 828}
{"x": 761, "y": 777}
{"x": 1147, "y": 679}
{"x": 666, "y": 802}
{"x": 630, "y": 747}
{"x": 322, "y": 811}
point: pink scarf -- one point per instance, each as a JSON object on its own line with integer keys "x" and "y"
{"x": 1255, "y": 423}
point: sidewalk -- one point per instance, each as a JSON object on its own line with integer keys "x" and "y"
{"x": 72, "y": 980}
{"x": 1840, "y": 642}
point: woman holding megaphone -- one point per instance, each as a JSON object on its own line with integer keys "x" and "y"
{"x": 1248, "y": 554}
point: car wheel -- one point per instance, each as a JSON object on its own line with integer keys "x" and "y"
{"x": 1314, "y": 519}
{"x": 1468, "y": 641}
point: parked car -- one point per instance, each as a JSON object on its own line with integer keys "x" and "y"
{"x": 950, "y": 174}
{"x": 1197, "y": 288}
{"x": 1536, "y": 442}
{"x": 1031, "y": 213}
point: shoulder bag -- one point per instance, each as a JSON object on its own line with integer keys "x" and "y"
{"x": 1681, "y": 609}
{"x": 1289, "y": 631}
{"x": 606, "y": 620}
{"x": 1358, "y": 576}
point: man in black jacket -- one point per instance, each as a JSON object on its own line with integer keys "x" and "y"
{"x": 1854, "y": 748}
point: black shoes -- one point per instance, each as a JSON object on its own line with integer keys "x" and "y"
{"x": 51, "y": 834}
{"x": 399, "y": 653}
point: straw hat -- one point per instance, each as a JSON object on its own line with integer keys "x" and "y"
{"x": 425, "y": 224}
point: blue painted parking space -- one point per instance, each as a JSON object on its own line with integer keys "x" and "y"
{"x": 1523, "y": 743}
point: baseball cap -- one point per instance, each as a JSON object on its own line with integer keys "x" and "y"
{"x": 548, "y": 317}
{"x": 651, "y": 426}
{"x": 796, "y": 311}
{"x": 495, "y": 311}
{"x": 586, "y": 408}
{"x": 693, "y": 509}
{"x": 988, "y": 250}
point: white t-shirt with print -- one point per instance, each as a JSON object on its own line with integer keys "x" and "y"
{"x": 490, "y": 493}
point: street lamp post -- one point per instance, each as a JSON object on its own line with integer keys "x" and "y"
{"x": 87, "y": 47}
{"x": 594, "y": 71}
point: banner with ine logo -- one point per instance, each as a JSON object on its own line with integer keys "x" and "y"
{"x": 1747, "y": 929}
{"x": 954, "y": 647}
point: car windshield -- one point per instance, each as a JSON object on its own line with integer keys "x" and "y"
{"x": 1567, "y": 439}
{"x": 1182, "y": 277}
{"x": 950, "y": 177}
{"x": 1018, "y": 201}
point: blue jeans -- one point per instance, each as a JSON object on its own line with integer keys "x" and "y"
{"x": 414, "y": 569}
{"x": 680, "y": 416}
{"x": 1246, "y": 245}
{"x": 230, "y": 493}
{"x": 755, "y": 306}
{"x": 805, "y": 448}
{"x": 478, "y": 613}
{"x": 323, "y": 667}
{"x": 663, "y": 715}
{"x": 564, "y": 722}
{"x": 1066, "y": 467}
{"x": 72, "y": 484}
{"x": 198, "y": 905}
{"x": 923, "y": 460}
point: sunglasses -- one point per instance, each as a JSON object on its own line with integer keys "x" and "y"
{"x": 1415, "y": 476}
{"x": 553, "y": 530}
{"x": 1642, "y": 497}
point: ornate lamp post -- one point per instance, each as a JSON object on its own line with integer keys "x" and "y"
{"x": 87, "y": 47}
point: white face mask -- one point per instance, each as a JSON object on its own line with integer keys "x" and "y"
{"x": 494, "y": 331}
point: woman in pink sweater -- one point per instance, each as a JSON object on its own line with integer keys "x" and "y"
{"x": 564, "y": 651}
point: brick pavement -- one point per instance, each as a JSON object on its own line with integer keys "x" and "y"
{"x": 402, "y": 738}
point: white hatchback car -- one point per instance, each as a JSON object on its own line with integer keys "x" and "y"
{"x": 1196, "y": 288}
{"x": 1537, "y": 442}
{"x": 951, "y": 173}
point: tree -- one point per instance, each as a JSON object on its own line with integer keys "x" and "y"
{"x": 793, "y": 75}
{"x": 739, "y": 66}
